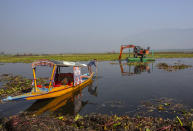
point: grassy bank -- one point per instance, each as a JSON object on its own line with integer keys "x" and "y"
{"x": 82, "y": 57}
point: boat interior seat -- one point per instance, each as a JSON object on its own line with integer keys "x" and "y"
{"x": 43, "y": 88}
{"x": 40, "y": 86}
{"x": 57, "y": 84}
{"x": 59, "y": 79}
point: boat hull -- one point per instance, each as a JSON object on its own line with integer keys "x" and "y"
{"x": 55, "y": 92}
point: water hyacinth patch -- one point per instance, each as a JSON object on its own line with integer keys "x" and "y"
{"x": 16, "y": 85}
{"x": 26, "y": 121}
{"x": 171, "y": 68}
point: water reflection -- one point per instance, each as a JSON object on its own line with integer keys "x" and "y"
{"x": 129, "y": 69}
{"x": 92, "y": 90}
{"x": 114, "y": 94}
{"x": 70, "y": 103}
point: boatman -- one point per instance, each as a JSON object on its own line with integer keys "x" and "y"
{"x": 90, "y": 64}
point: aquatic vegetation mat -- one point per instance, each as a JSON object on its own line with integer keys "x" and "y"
{"x": 175, "y": 67}
{"x": 16, "y": 85}
{"x": 164, "y": 107}
{"x": 161, "y": 107}
{"x": 93, "y": 122}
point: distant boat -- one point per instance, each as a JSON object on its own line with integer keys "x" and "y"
{"x": 59, "y": 84}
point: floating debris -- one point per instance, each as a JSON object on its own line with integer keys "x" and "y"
{"x": 175, "y": 67}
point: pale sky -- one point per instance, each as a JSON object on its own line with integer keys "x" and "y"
{"x": 82, "y": 26}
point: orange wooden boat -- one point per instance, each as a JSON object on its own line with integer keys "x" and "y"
{"x": 59, "y": 83}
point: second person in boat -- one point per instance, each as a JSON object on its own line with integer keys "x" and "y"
{"x": 90, "y": 64}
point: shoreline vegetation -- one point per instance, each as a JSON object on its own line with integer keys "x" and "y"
{"x": 93, "y": 122}
{"x": 28, "y": 58}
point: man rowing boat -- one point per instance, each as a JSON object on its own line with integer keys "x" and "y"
{"x": 90, "y": 64}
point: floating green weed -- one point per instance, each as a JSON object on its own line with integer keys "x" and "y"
{"x": 179, "y": 121}
{"x": 77, "y": 117}
{"x": 16, "y": 85}
{"x": 176, "y": 66}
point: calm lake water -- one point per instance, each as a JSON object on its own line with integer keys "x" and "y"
{"x": 116, "y": 89}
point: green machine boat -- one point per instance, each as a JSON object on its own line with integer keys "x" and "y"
{"x": 139, "y": 54}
